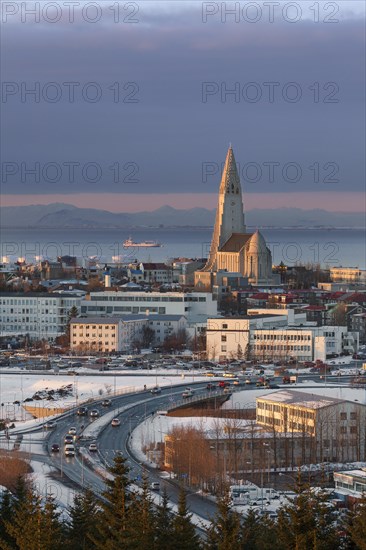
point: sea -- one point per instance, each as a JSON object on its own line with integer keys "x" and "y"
{"x": 327, "y": 247}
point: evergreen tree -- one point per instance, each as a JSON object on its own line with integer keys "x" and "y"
{"x": 142, "y": 520}
{"x": 356, "y": 527}
{"x": 250, "y": 530}
{"x": 224, "y": 531}
{"x": 113, "y": 529}
{"x": 6, "y": 512}
{"x": 164, "y": 525}
{"x": 83, "y": 515}
{"x": 33, "y": 527}
{"x": 184, "y": 533}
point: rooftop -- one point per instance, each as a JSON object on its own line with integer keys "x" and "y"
{"x": 106, "y": 320}
{"x": 303, "y": 399}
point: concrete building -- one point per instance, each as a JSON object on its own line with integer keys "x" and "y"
{"x": 195, "y": 306}
{"x": 358, "y": 324}
{"x": 269, "y": 337}
{"x": 38, "y": 314}
{"x": 228, "y": 337}
{"x": 348, "y": 274}
{"x": 232, "y": 248}
{"x": 350, "y": 486}
{"x": 166, "y": 325}
{"x": 337, "y": 427}
{"x": 106, "y": 334}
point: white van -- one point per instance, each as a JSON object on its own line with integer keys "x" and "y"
{"x": 155, "y": 486}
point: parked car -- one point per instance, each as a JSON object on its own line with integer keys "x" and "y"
{"x": 155, "y": 486}
{"x": 93, "y": 447}
{"x": 55, "y": 448}
{"x": 116, "y": 422}
{"x": 82, "y": 411}
{"x": 106, "y": 403}
{"x": 94, "y": 413}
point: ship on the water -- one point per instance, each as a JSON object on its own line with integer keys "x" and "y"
{"x": 129, "y": 243}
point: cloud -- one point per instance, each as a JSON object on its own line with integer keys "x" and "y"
{"x": 162, "y": 132}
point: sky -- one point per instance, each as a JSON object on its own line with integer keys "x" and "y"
{"x": 135, "y": 108}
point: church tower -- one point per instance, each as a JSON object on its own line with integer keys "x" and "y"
{"x": 229, "y": 213}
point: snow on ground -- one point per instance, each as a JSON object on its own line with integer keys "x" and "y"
{"x": 17, "y": 387}
{"x": 45, "y": 485}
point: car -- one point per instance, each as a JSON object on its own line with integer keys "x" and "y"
{"x": 82, "y": 411}
{"x": 94, "y": 413}
{"x": 106, "y": 403}
{"x": 93, "y": 447}
{"x": 210, "y": 386}
{"x": 155, "y": 486}
{"x": 50, "y": 425}
{"x": 69, "y": 450}
{"x": 187, "y": 393}
{"x": 68, "y": 439}
{"x": 155, "y": 390}
{"x": 116, "y": 422}
{"x": 236, "y": 383}
{"x": 55, "y": 448}
{"x": 72, "y": 430}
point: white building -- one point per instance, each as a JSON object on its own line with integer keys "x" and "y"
{"x": 195, "y": 306}
{"x": 226, "y": 336}
{"x": 40, "y": 315}
{"x": 268, "y": 337}
{"x": 106, "y": 334}
{"x": 347, "y": 274}
{"x": 166, "y": 325}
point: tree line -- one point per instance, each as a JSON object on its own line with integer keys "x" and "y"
{"x": 123, "y": 519}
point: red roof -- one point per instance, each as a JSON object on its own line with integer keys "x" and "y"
{"x": 260, "y": 296}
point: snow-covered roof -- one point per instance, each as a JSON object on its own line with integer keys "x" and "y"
{"x": 302, "y": 399}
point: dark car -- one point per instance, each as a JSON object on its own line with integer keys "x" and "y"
{"x": 106, "y": 403}
{"x": 55, "y": 448}
{"x": 82, "y": 411}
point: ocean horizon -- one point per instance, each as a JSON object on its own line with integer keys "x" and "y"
{"x": 329, "y": 247}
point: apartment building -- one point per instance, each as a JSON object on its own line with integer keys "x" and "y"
{"x": 226, "y": 336}
{"x": 166, "y": 325}
{"x": 40, "y": 315}
{"x": 347, "y": 274}
{"x": 106, "y": 334}
{"x": 337, "y": 427}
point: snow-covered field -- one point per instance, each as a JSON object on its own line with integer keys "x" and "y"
{"x": 18, "y": 387}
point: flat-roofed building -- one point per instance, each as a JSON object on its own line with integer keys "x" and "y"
{"x": 337, "y": 427}
{"x": 106, "y": 334}
{"x": 350, "y": 485}
{"x": 37, "y": 314}
{"x": 195, "y": 306}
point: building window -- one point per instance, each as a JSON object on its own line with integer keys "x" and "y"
{"x": 343, "y": 429}
{"x": 224, "y": 325}
{"x": 343, "y": 416}
{"x": 223, "y": 338}
{"x": 353, "y": 415}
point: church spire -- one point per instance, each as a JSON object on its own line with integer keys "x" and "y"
{"x": 229, "y": 213}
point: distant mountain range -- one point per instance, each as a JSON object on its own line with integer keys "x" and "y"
{"x": 59, "y": 215}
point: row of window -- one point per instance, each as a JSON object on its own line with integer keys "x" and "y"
{"x": 281, "y": 347}
{"x": 291, "y": 337}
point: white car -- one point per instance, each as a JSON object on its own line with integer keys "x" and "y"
{"x": 116, "y": 422}
{"x": 72, "y": 430}
{"x": 69, "y": 450}
{"x": 93, "y": 447}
